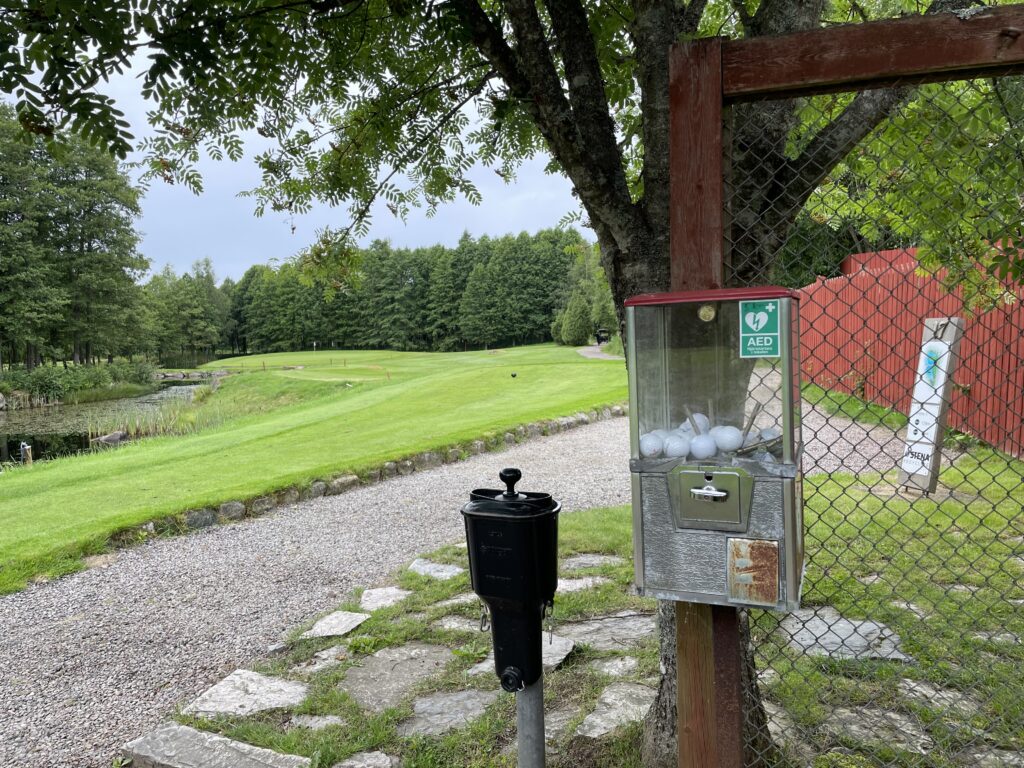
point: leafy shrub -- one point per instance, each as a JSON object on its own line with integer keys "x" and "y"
{"x": 576, "y": 326}
{"x": 47, "y": 381}
{"x": 55, "y": 382}
{"x": 556, "y": 328}
{"x": 136, "y": 372}
{"x": 81, "y": 377}
{"x": 18, "y": 379}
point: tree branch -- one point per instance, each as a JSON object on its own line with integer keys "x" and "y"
{"x": 587, "y": 95}
{"x": 531, "y": 76}
{"x": 653, "y": 33}
{"x": 492, "y": 45}
{"x": 798, "y": 178}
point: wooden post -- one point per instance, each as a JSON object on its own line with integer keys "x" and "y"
{"x": 709, "y": 704}
{"x": 695, "y": 165}
{"x": 703, "y": 75}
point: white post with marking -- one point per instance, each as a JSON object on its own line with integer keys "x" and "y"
{"x": 933, "y": 384}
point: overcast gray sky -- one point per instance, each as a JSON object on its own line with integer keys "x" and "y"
{"x": 179, "y": 227}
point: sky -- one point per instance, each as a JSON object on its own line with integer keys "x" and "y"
{"x": 179, "y": 227}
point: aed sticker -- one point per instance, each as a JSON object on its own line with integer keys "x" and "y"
{"x": 759, "y": 328}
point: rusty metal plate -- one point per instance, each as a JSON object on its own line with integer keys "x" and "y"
{"x": 753, "y": 575}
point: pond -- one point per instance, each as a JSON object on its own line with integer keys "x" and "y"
{"x": 58, "y": 430}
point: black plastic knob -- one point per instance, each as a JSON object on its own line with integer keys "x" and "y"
{"x": 510, "y": 476}
{"x": 512, "y": 679}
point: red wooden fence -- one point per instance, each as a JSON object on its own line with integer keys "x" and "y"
{"x": 861, "y": 334}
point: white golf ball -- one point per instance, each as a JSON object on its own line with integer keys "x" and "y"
{"x": 728, "y": 438}
{"x": 650, "y": 445}
{"x": 703, "y": 447}
{"x": 703, "y": 422}
{"x": 770, "y": 433}
{"x": 677, "y": 446}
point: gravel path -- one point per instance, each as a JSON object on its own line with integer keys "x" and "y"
{"x": 93, "y": 660}
{"x": 594, "y": 352}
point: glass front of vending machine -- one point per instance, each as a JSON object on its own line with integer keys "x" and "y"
{"x": 714, "y": 392}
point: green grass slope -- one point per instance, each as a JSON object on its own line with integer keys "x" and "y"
{"x": 344, "y": 411}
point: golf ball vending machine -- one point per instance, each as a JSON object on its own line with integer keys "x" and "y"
{"x": 714, "y": 393}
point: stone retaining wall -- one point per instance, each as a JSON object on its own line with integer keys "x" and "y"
{"x": 231, "y": 511}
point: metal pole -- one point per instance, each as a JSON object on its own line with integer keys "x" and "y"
{"x": 530, "y": 725}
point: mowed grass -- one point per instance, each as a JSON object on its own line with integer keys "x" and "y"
{"x": 342, "y": 412}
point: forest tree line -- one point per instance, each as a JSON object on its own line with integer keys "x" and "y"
{"x": 73, "y": 286}
{"x": 484, "y": 292}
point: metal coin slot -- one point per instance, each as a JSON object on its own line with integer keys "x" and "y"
{"x": 710, "y": 498}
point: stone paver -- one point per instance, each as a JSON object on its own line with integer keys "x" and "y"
{"x": 823, "y": 632}
{"x": 611, "y": 633}
{"x": 441, "y": 571}
{"x": 620, "y": 666}
{"x": 458, "y": 624}
{"x": 1000, "y": 638}
{"x": 336, "y": 624}
{"x": 443, "y": 712}
{"x": 963, "y": 589}
{"x": 905, "y": 605}
{"x": 556, "y": 725}
{"x": 618, "y": 704}
{"x": 997, "y": 758}
{"x": 553, "y": 653}
{"x": 315, "y": 722}
{"x": 322, "y": 660}
{"x": 940, "y": 699}
{"x": 589, "y": 560}
{"x": 878, "y": 726}
{"x": 369, "y": 760}
{"x": 578, "y": 585}
{"x": 466, "y": 598}
{"x": 244, "y": 693}
{"x": 382, "y": 597}
{"x": 785, "y": 732}
{"x": 385, "y": 678}
{"x": 178, "y": 746}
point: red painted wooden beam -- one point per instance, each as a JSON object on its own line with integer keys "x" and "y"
{"x": 941, "y": 46}
{"x": 695, "y": 165}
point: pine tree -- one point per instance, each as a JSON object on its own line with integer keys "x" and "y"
{"x": 576, "y": 327}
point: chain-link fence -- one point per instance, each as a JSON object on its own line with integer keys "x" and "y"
{"x": 888, "y": 208}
